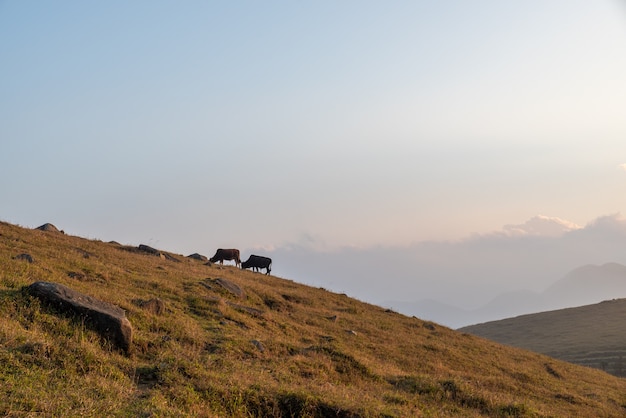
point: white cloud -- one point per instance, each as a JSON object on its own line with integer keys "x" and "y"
{"x": 465, "y": 274}
{"x": 540, "y": 225}
{"x": 622, "y": 166}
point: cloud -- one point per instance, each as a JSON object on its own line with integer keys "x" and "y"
{"x": 465, "y": 274}
{"x": 622, "y": 166}
{"x": 543, "y": 226}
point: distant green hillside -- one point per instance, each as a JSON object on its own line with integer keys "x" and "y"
{"x": 278, "y": 349}
{"x": 592, "y": 335}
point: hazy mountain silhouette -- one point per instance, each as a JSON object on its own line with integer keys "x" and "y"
{"x": 582, "y": 286}
{"x": 481, "y": 278}
{"x": 588, "y": 284}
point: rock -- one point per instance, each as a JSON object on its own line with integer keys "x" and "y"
{"x": 198, "y": 257}
{"x": 158, "y": 253}
{"x": 155, "y": 305}
{"x": 231, "y": 287}
{"x": 77, "y": 275}
{"x": 170, "y": 257}
{"x": 108, "y": 319}
{"x": 48, "y": 227}
{"x": 259, "y": 345}
{"x": 149, "y": 250}
{"x": 252, "y": 311}
{"x": 25, "y": 257}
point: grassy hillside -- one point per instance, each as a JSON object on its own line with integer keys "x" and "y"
{"x": 592, "y": 335}
{"x": 282, "y": 350}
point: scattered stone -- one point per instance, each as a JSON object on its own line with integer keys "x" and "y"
{"x": 258, "y": 345}
{"x": 76, "y": 275}
{"x": 248, "y": 309}
{"x": 25, "y": 257}
{"x": 108, "y": 319}
{"x": 170, "y": 257}
{"x": 199, "y": 257}
{"x": 158, "y": 253}
{"x": 332, "y": 318}
{"x": 154, "y": 305}
{"x": 149, "y": 250}
{"x": 351, "y": 332}
{"x": 553, "y": 372}
{"x": 205, "y": 284}
{"x": 115, "y": 243}
{"x": 231, "y": 287}
{"x": 49, "y": 228}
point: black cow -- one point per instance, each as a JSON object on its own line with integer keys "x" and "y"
{"x": 226, "y": 254}
{"x": 257, "y": 262}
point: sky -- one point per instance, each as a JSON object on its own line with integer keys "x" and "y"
{"x": 326, "y": 125}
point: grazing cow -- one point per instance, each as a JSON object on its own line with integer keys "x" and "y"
{"x": 257, "y": 262}
{"x": 226, "y": 254}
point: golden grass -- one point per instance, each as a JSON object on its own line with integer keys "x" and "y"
{"x": 323, "y": 354}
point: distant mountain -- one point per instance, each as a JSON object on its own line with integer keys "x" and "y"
{"x": 588, "y": 284}
{"x": 582, "y": 286}
{"x": 591, "y": 335}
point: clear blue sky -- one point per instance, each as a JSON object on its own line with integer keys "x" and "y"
{"x": 192, "y": 125}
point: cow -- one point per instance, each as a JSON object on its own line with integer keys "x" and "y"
{"x": 226, "y": 254}
{"x": 257, "y": 262}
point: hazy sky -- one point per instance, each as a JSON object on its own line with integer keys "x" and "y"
{"x": 192, "y": 125}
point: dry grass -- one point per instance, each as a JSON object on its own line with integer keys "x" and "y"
{"x": 284, "y": 350}
{"x": 592, "y": 335}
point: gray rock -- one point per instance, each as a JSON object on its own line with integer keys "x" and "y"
{"x": 155, "y": 305}
{"x": 231, "y": 287}
{"x": 170, "y": 257}
{"x": 48, "y": 227}
{"x": 198, "y": 257}
{"x": 252, "y": 311}
{"x": 158, "y": 253}
{"x": 108, "y": 319}
{"x": 149, "y": 250}
{"x": 25, "y": 257}
{"x": 259, "y": 345}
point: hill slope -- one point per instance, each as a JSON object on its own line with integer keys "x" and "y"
{"x": 282, "y": 349}
{"x": 592, "y": 335}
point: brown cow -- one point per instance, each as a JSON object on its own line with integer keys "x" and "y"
{"x": 226, "y": 254}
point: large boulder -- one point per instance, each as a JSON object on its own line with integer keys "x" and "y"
{"x": 108, "y": 319}
{"x": 48, "y": 227}
{"x": 230, "y": 287}
{"x": 158, "y": 253}
{"x": 147, "y": 249}
{"x": 198, "y": 257}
